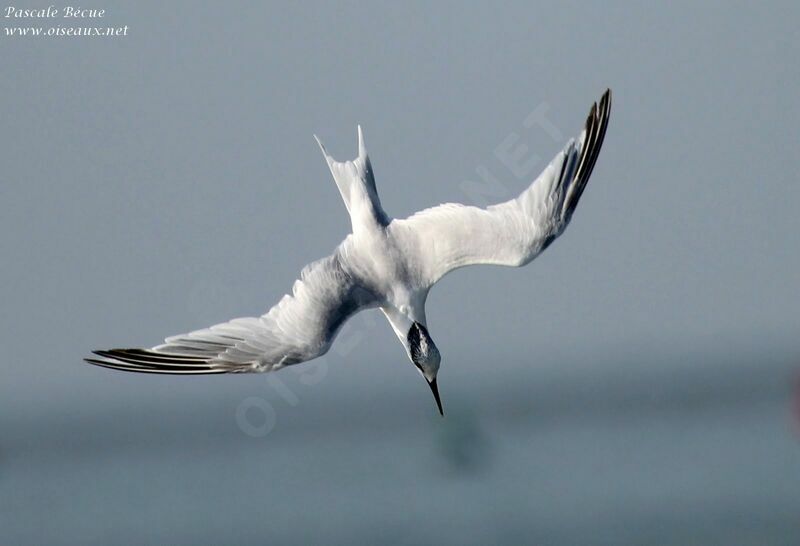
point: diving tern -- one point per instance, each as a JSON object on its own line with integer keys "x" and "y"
{"x": 386, "y": 263}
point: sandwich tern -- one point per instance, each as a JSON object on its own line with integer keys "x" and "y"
{"x": 386, "y": 263}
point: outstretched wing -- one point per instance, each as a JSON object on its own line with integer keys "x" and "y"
{"x": 513, "y": 233}
{"x": 300, "y": 327}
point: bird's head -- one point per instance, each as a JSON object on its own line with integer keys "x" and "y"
{"x": 425, "y": 356}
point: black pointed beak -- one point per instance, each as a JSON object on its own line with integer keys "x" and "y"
{"x": 435, "y": 391}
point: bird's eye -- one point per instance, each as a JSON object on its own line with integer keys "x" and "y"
{"x": 404, "y": 309}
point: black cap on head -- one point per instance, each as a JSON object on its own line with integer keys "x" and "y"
{"x": 425, "y": 356}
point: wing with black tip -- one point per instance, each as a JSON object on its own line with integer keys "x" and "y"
{"x": 300, "y": 327}
{"x": 513, "y": 233}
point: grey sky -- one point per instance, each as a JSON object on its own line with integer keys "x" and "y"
{"x": 164, "y": 181}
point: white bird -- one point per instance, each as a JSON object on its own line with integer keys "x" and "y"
{"x": 386, "y": 263}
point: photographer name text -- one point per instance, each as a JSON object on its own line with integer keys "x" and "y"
{"x": 52, "y": 11}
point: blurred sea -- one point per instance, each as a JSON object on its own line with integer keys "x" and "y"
{"x": 701, "y": 453}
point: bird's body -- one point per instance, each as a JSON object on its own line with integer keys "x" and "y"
{"x": 386, "y": 263}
